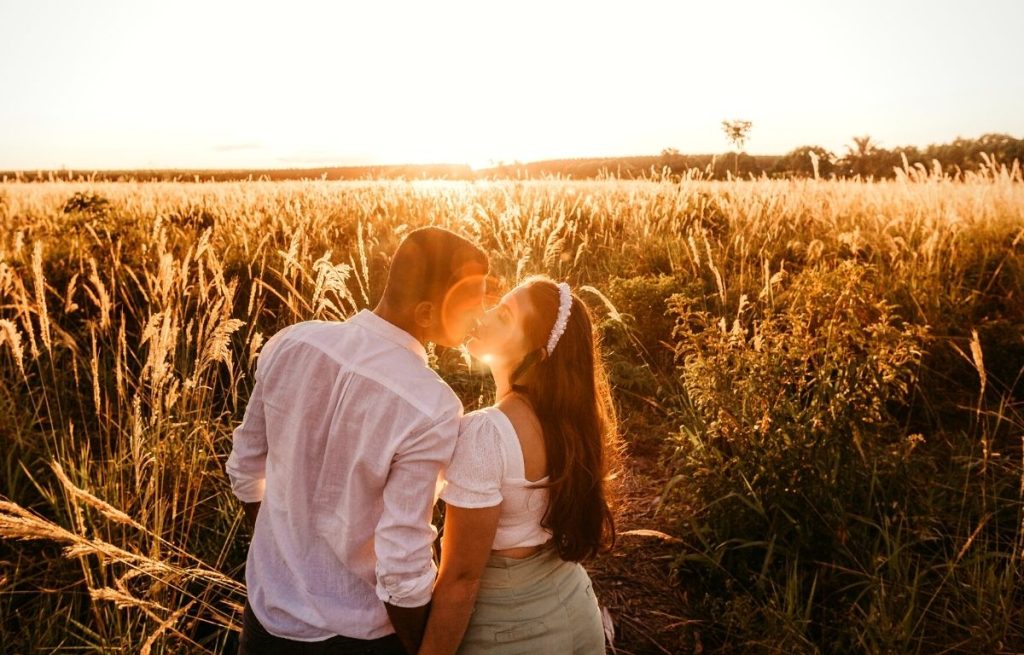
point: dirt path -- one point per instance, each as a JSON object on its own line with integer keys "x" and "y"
{"x": 634, "y": 582}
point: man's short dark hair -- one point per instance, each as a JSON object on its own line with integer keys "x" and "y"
{"x": 428, "y": 262}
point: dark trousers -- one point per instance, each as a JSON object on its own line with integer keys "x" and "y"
{"x": 255, "y": 640}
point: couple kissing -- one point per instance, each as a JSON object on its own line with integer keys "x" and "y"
{"x": 349, "y": 438}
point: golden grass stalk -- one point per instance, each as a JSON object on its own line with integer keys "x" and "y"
{"x": 9, "y": 335}
{"x": 165, "y": 625}
{"x": 123, "y": 600}
{"x": 105, "y": 508}
{"x": 39, "y": 284}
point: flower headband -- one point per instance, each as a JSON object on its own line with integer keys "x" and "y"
{"x": 564, "y": 305}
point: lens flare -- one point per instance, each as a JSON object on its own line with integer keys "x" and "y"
{"x": 463, "y": 304}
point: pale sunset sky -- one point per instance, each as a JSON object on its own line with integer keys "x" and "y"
{"x": 216, "y": 84}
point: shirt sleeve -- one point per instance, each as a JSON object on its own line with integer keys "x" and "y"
{"x": 404, "y": 537}
{"x": 247, "y": 464}
{"x": 474, "y": 476}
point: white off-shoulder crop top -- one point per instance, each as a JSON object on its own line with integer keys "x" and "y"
{"x": 487, "y": 469}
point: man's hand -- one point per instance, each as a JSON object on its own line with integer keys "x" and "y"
{"x": 251, "y": 510}
{"x": 409, "y": 623}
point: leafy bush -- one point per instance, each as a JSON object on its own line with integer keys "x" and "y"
{"x": 795, "y": 408}
{"x": 795, "y": 424}
{"x": 86, "y": 202}
{"x": 637, "y": 336}
{"x": 821, "y": 521}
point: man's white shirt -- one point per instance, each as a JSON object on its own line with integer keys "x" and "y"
{"x": 344, "y": 440}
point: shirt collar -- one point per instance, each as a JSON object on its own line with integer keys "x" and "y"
{"x": 389, "y": 331}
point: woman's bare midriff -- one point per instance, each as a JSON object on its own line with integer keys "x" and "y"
{"x": 522, "y": 552}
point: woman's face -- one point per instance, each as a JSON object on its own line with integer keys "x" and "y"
{"x": 499, "y": 337}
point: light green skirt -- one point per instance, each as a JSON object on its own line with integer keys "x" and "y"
{"x": 537, "y": 605}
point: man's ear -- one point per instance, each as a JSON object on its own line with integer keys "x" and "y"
{"x": 425, "y": 314}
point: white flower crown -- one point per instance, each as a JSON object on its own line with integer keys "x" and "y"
{"x": 564, "y": 305}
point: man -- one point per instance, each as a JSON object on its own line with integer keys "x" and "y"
{"x": 338, "y": 457}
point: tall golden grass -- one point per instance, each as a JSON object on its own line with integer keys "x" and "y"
{"x": 131, "y": 315}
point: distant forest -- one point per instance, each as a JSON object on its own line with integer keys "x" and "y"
{"x": 863, "y": 157}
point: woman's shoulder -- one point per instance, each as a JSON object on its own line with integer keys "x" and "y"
{"x": 486, "y": 419}
{"x": 526, "y": 435}
{"x": 521, "y": 421}
{"x": 487, "y": 433}
{"x": 518, "y": 411}
{"x": 477, "y": 468}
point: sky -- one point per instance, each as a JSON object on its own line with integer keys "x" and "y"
{"x": 216, "y": 84}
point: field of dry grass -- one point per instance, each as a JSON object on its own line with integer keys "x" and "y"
{"x": 820, "y": 384}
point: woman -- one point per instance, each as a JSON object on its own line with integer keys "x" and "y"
{"x": 525, "y": 491}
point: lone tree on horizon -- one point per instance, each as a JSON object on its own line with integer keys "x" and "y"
{"x": 737, "y": 132}
{"x": 858, "y": 155}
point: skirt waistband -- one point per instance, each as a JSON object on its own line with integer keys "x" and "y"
{"x": 509, "y": 572}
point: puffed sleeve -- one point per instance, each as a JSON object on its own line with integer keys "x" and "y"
{"x": 473, "y": 478}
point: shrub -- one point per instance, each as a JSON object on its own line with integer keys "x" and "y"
{"x": 794, "y": 430}
{"x": 86, "y": 202}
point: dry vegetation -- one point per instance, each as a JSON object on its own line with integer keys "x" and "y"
{"x": 820, "y": 384}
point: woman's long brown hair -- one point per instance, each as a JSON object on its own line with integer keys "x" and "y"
{"x": 570, "y": 395}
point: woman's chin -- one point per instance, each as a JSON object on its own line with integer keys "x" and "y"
{"x": 478, "y": 352}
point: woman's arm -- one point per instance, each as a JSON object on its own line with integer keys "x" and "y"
{"x": 465, "y": 548}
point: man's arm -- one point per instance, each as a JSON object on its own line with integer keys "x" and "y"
{"x": 252, "y": 510}
{"x": 404, "y": 536}
{"x": 247, "y": 464}
{"x": 409, "y": 624}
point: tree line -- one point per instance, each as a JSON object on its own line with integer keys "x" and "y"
{"x": 863, "y": 157}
